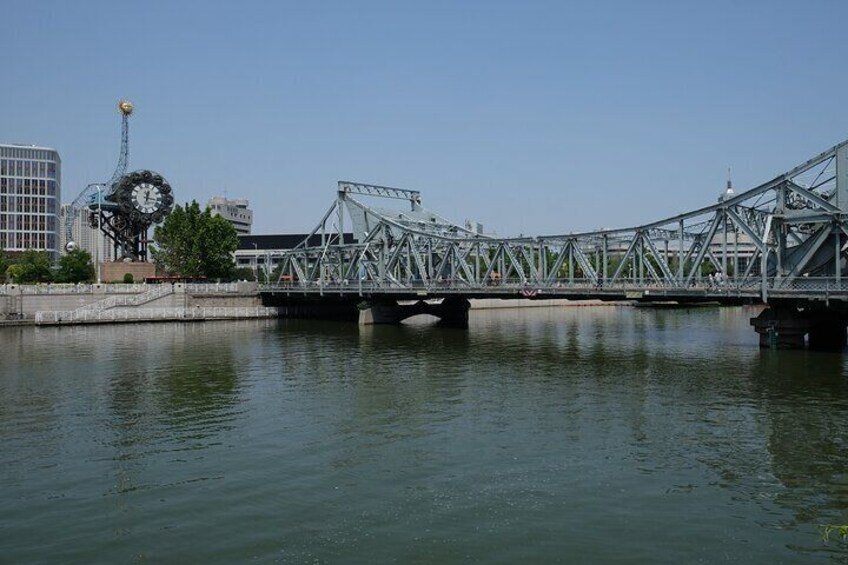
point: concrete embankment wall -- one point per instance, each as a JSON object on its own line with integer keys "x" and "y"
{"x": 226, "y": 301}
{"x": 22, "y": 302}
{"x": 106, "y": 303}
{"x": 195, "y": 303}
{"x": 188, "y": 300}
{"x": 26, "y": 305}
{"x": 117, "y": 302}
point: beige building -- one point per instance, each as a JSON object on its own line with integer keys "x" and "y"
{"x": 235, "y": 211}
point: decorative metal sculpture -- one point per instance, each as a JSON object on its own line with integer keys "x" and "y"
{"x": 127, "y": 205}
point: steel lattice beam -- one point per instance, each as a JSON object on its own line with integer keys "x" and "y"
{"x": 754, "y": 242}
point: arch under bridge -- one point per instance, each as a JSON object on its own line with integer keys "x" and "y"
{"x": 782, "y": 243}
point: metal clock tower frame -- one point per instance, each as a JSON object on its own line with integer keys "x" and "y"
{"x": 114, "y": 207}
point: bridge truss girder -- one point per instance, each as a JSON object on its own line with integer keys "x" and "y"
{"x": 771, "y": 238}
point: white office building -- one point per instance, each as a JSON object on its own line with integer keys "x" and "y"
{"x": 235, "y": 211}
{"x": 30, "y": 194}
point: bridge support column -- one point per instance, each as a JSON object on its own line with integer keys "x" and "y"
{"x": 314, "y": 309}
{"x": 827, "y": 332}
{"x": 452, "y": 312}
{"x": 784, "y": 327}
{"x": 386, "y": 312}
{"x": 781, "y": 328}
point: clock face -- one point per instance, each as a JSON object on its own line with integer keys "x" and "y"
{"x": 141, "y": 198}
{"x": 146, "y": 198}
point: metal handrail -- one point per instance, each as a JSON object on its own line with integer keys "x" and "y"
{"x": 155, "y": 314}
{"x": 502, "y": 284}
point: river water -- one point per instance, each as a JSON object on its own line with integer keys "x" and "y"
{"x": 563, "y": 435}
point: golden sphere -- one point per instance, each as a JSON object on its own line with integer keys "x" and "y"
{"x": 126, "y": 107}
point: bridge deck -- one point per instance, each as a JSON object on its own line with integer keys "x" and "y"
{"x": 733, "y": 292}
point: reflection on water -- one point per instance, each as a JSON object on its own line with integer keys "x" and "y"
{"x": 805, "y": 398}
{"x": 539, "y": 435}
{"x": 177, "y": 407}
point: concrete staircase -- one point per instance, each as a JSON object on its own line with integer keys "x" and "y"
{"x": 154, "y": 293}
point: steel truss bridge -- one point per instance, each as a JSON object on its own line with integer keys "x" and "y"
{"x": 782, "y": 242}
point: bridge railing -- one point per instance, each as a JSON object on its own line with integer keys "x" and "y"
{"x": 515, "y": 286}
{"x": 69, "y": 288}
{"x": 154, "y": 314}
{"x": 809, "y": 285}
{"x": 212, "y": 288}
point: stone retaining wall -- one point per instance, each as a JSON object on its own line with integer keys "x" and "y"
{"x": 22, "y": 302}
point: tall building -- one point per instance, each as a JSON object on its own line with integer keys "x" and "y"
{"x": 235, "y": 211}
{"x": 30, "y": 195}
{"x": 82, "y": 233}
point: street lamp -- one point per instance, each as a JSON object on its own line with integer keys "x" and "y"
{"x": 267, "y": 266}
{"x": 256, "y": 262}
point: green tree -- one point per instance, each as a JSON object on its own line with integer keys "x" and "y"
{"x": 192, "y": 243}
{"x": 244, "y": 274}
{"x": 75, "y": 267}
{"x": 264, "y": 276}
{"x": 277, "y": 273}
{"x": 32, "y": 267}
{"x": 4, "y": 264}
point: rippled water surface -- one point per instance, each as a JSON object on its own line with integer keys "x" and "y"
{"x": 538, "y": 435}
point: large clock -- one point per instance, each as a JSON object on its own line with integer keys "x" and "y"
{"x": 144, "y": 196}
{"x": 147, "y": 198}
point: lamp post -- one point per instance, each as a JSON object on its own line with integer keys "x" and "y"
{"x": 99, "y": 230}
{"x": 267, "y": 266}
{"x": 256, "y": 262}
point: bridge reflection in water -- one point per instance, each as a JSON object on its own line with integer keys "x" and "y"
{"x": 782, "y": 243}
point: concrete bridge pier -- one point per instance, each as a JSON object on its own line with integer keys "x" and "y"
{"x": 452, "y": 312}
{"x": 784, "y": 326}
{"x": 315, "y": 309}
{"x": 827, "y": 332}
{"x": 781, "y": 328}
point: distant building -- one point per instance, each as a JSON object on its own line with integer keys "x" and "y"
{"x": 82, "y": 233}
{"x": 234, "y": 211}
{"x": 260, "y": 250}
{"x": 738, "y": 247}
{"x": 30, "y": 194}
{"x": 728, "y": 191}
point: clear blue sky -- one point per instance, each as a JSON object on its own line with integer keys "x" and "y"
{"x": 531, "y": 117}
